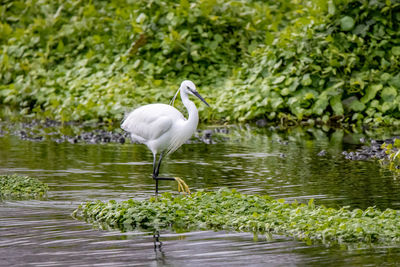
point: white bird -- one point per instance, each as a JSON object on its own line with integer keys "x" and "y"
{"x": 162, "y": 128}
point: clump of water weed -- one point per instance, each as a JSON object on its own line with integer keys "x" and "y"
{"x": 233, "y": 211}
{"x": 21, "y": 187}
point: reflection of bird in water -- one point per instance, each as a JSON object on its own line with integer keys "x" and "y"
{"x": 163, "y": 129}
{"x": 157, "y": 242}
{"x": 157, "y": 247}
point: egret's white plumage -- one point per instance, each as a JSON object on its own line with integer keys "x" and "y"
{"x": 162, "y": 127}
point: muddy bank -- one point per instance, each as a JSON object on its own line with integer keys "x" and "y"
{"x": 98, "y": 133}
{"x": 372, "y": 150}
{"x": 91, "y": 133}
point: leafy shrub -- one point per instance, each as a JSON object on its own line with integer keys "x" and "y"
{"x": 79, "y": 60}
{"x": 345, "y": 63}
{"x": 230, "y": 210}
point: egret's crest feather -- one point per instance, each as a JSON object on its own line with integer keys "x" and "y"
{"x": 173, "y": 99}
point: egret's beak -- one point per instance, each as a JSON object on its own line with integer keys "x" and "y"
{"x": 202, "y": 99}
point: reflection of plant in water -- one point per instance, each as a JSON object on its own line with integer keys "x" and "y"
{"x": 16, "y": 186}
{"x": 230, "y": 210}
{"x": 392, "y": 162}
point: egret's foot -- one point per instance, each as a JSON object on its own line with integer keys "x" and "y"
{"x": 164, "y": 178}
{"x": 156, "y": 178}
{"x": 182, "y": 186}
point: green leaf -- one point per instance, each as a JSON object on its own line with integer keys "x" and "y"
{"x": 336, "y": 104}
{"x": 388, "y": 94}
{"x": 357, "y": 117}
{"x": 397, "y": 142}
{"x": 357, "y": 105}
{"x": 387, "y": 106}
{"x": 347, "y": 23}
{"x": 306, "y": 80}
{"x": 386, "y": 76}
{"x": 396, "y": 50}
{"x": 311, "y": 203}
{"x": 218, "y": 38}
{"x": 285, "y": 91}
{"x": 395, "y": 81}
{"x": 371, "y": 93}
{"x": 60, "y": 46}
{"x": 320, "y": 105}
{"x": 294, "y": 85}
{"x": 279, "y": 80}
{"x": 331, "y": 8}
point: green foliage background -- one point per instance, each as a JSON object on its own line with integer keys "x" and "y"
{"x": 320, "y": 60}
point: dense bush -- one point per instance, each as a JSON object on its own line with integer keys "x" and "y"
{"x": 79, "y": 60}
{"x": 344, "y": 64}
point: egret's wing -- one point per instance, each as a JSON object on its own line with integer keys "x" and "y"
{"x": 150, "y": 122}
{"x": 149, "y": 128}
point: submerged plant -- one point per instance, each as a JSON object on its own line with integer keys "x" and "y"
{"x": 230, "y": 210}
{"x": 17, "y": 187}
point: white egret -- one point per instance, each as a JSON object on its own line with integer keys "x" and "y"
{"x": 162, "y": 128}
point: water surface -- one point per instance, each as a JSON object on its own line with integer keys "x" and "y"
{"x": 281, "y": 164}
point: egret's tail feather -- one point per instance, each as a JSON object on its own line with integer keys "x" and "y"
{"x": 182, "y": 186}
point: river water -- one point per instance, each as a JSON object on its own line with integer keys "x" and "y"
{"x": 281, "y": 164}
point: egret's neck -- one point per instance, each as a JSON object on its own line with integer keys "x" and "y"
{"x": 193, "y": 114}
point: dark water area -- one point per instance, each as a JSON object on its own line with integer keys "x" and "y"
{"x": 282, "y": 164}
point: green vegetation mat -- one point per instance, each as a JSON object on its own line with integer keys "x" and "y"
{"x": 312, "y": 60}
{"x": 21, "y": 187}
{"x": 233, "y": 211}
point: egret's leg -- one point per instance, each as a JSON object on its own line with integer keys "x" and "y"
{"x": 156, "y": 186}
{"x": 156, "y": 170}
{"x": 154, "y": 165}
{"x": 159, "y": 164}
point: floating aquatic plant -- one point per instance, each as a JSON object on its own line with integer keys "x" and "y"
{"x": 233, "y": 211}
{"x": 16, "y": 186}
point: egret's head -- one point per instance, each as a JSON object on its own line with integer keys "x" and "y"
{"x": 190, "y": 88}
